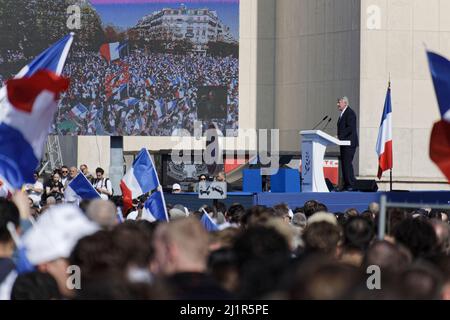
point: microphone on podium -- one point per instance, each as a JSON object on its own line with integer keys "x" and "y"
{"x": 326, "y": 126}
{"x": 317, "y": 125}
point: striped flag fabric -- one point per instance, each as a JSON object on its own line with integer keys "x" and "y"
{"x": 384, "y": 142}
{"x": 25, "y": 120}
{"x": 155, "y": 208}
{"x": 80, "y": 189}
{"x": 112, "y": 51}
{"x": 440, "y": 136}
{"x": 208, "y": 223}
{"x": 140, "y": 179}
{"x": 79, "y": 111}
{"x": 52, "y": 59}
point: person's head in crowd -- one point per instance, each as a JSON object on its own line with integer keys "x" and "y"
{"x": 202, "y": 178}
{"x": 235, "y": 213}
{"x": 221, "y": 207}
{"x": 300, "y": 220}
{"x": 177, "y": 213}
{"x": 262, "y": 255}
{"x": 310, "y": 207}
{"x": 36, "y": 175}
{"x": 259, "y": 242}
{"x": 282, "y": 211}
{"x": 49, "y": 243}
{"x": 286, "y": 230}
{"x": 321, "y": 207}
{"x": 73, "y": 171}
{"x": 374, "y": 208}
{"x": 443, "y": 264}
{"x": 222, "y": 239}
{"x": 35, "y": 286}
{"x": 367, "y": 215}
{"x": 222, "y": 267}
{"x": 358, "y": 234}
{"x": 322, "y": 236}
{"x": 56, "y": 178}
{"x": 99, "y": 172}
{"x": 352, "y": 212}
{"x": 395, "y": 216}
{"x": 322, "y": 217}
{"x": 103, "y": 212}
{"x": 341, "y": 218}
{"x": 220, "y": 177}
{"x": 442, "y": 231}
{"x": 299, "y": 210}
{"x": 176, "y": 188}
{"x": 418, "y": 236}
{"x": 181, "y": 246}
{"x": 321, "y": 277}
{"x": 64, "y": 172}
{"x": 133, "y": 243}
{"x": 421, "y": 281}
{"x": 391, "y": 258}
{"x": 261, "y": 216}
{"x": 420, "y": 214}
{"x": 84, "y": 169}
{"x": 96, "y": 255}
{"x": 8, "y": 213}
{"x": 438, "y": 215}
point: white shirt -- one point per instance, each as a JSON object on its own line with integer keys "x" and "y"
{"x": 103, "y": 183}
{"x": 342, "y": 113}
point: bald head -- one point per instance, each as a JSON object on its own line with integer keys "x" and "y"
{"x": 103, "y": 212}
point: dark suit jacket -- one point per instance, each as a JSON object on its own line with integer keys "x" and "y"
{"x": 347, "y": 128}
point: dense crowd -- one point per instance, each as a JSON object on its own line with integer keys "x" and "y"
{"x": 158, "y": 96}
{"x": 257, "y": 253}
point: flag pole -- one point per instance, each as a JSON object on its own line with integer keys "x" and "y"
{"x": 390, "y": 171}
{"x": 390, "y": 179}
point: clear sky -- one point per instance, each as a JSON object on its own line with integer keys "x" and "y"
{"x": 126, "y": 13}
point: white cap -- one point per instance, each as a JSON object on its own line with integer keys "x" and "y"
{"x": 176, "y": 186}
{"x": 56, "y": 233}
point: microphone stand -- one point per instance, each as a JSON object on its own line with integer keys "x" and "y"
{"x": 315, "y": 127}
{"x": 326, "y": 126}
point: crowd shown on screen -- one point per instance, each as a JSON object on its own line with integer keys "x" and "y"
{"x": 257, "y": 253}
{"x": 160, "y": 99}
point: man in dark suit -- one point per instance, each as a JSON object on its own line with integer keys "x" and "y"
{"x": 347, "y": 131}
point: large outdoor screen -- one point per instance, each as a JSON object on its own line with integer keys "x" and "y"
{"x": 137, "y": 67}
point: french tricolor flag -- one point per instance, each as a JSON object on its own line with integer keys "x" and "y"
{"x": 208, "y": 223}
{"x": 384, "y": 143}
{"x": 112, "y": 51}
{"x": 440, "y": 135}
{"x": 27, "y": 107}
{"x": 25, "y": 117}
{"x": 140, "y": 179}
{"x": 80, "y": 189}
{"x": 155, "y": 208}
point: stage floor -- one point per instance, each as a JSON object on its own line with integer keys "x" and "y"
{"x": 335, "y": 201}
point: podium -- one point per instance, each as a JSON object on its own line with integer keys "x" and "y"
{"x": 314, "y": 145}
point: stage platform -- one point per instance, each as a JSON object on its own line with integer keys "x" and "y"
{"x": 335, "y": 201}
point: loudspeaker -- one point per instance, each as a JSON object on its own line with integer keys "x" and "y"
{"x": 366, "y": 185}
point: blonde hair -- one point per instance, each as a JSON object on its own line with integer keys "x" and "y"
{"x": 190, "y": 236}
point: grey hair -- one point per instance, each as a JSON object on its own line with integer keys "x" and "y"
{"x": 345, "y": 99}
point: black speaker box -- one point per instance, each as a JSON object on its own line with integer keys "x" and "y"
{"x": 366, "y": 186}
